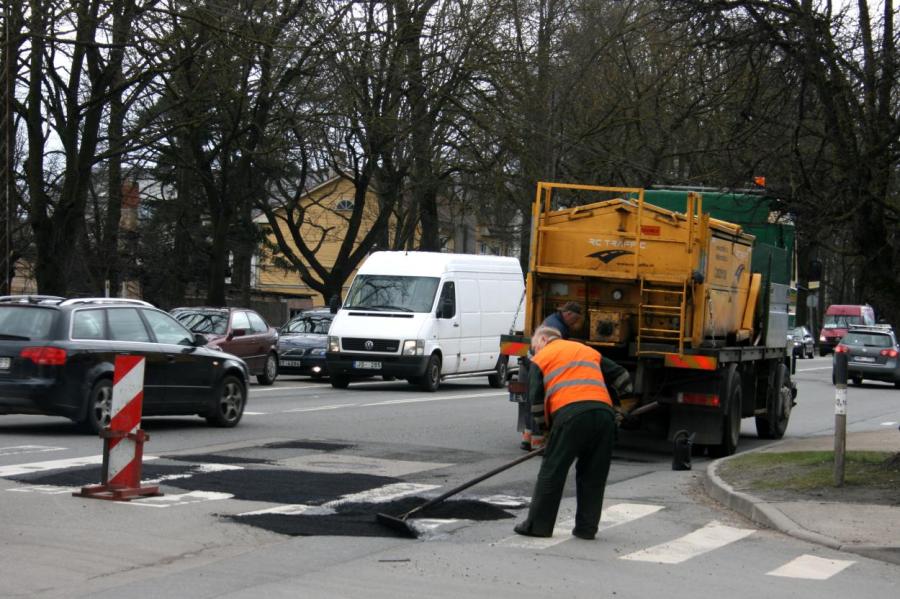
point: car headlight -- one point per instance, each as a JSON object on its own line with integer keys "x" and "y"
{"x": 334, "y": 344}
{"x": 413, "y": 347}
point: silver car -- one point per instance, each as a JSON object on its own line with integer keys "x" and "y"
{"x": 800, "y": 342}
{"x": 872, "y": 353}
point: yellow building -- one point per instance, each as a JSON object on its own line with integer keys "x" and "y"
{"x": 327, "y": 208}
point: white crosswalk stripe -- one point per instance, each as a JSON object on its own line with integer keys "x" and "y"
{"x": 811, "y": 567}
{"x": 615, "y": 515}
{"x": 712, "y": 536}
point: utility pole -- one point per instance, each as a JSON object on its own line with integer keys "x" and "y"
{"x": 9, "y": 142}
{"x": 840, "y": 415}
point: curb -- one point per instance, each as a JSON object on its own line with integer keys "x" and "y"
{"x": 765, "y": 514}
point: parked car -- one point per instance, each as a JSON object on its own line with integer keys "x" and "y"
{"x": 801, "y": 342}
{"x": 238, "y": 331}
{"x": 302, "y": 343}
{"x": 57, "y": 357}
{"x": 872, "y": 353}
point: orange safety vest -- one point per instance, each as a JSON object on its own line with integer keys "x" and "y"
{"x": 571, "y": 373}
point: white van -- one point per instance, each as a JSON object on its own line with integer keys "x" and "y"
{"x": 425, "y": 316}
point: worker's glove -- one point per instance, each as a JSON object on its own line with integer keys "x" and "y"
{"x": 620, "y": 414}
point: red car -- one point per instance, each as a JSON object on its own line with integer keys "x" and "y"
{"x": 238, "y": 331}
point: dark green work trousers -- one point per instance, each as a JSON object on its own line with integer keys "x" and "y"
{"x": 583, "y": 433}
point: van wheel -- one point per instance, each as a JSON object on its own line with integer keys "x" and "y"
{"x": 270, "y": 371}
{"x": 498, "y": 379}
{"x": 99, "y": 407}
{"x": 432, "y": 378}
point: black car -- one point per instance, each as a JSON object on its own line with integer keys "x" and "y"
{"x": 872, "y": 353}
{"x": 801, "y": 342}
{"x": 302, "y": 343}
{"x": 57, "y": 358}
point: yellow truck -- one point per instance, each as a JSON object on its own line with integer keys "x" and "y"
{"x": 674, "y": 298}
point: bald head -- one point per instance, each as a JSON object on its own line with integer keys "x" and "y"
{"x": 542, "y": 336}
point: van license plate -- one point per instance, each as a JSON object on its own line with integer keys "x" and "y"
{"x": 4, "y": 363}
{"x": 367, "y": 365}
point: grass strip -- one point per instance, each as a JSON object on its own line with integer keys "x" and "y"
{"x": 811, "y": 470}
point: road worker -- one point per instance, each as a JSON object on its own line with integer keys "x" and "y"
{"x": 568, "y": 394}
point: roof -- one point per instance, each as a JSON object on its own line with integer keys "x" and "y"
{"x": 435, "y": 264}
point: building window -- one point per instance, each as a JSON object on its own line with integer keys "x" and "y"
{"x": 344, "y": 205}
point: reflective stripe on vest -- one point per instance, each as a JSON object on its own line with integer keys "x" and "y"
{"x": 571, "y": 373}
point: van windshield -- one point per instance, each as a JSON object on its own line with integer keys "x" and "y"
{"x": 841, "y": 321}
{"x": 389, "y": 292}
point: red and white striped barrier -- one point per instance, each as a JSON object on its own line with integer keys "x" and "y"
{"x": 123, "y": 440}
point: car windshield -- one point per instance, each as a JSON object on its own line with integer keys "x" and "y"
{"x": 22, "y": 322}
{"x": 841, "y": 321}
{"x": 388, "y": 292}
{"x": 867, "y": 339}
{"x": 208, "y": 323}
{"x": 798, "y": 332}
{"x": 308, "y": 324}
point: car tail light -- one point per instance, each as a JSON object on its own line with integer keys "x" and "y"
{"x": 44, "y": 356}
{"x": 890, "y": 353}
{"x": 841, "y": 349}
{"x": 699, "y": 399}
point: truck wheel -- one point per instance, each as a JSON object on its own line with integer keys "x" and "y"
{"x": 99, "y": 407}
{"x": 731, "y": 425}
{"x": 339, "y": 381}
{"x": 778, "y": 407}
{"x": 498, "y": 379}
{"x": 432, "y": 378}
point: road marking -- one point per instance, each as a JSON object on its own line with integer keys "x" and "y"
{"x": 423, "y": 399}
{"x": 20, "y": 449}
{"x": 320, "y": 408}
{"x": 256, "y": 413}
{"x": 188, "y": 498}
{"x": 812, "y": 369}
{"x": 712, "y": 536}
{"x": 811, "y": 567}
{"x": 888, "y": 424}
{"x": 17, "y": 469}
{"x": 46, "y": 489}
{"x": 615, "y": 515}
{"x": 270, "y": 389}
{"x": 379, "y": 495}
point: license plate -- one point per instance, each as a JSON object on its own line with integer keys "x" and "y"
{"x": 294, "y": 363}
{"x": 863, "y": 359}
{"x": 4, "y": 363}
{"x": 367, "y": 365}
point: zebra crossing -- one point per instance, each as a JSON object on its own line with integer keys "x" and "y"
{"x": 711, "y": 536}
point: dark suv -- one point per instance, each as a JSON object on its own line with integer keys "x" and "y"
{"x": 872, "y": 353}
{"x": 57, "y": 358}
{"x": 238, "y": 331}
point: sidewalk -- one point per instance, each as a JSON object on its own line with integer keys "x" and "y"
{"x": 866, "y": 529}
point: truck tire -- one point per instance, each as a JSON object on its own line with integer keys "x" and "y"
{"x": 498, "y": 379}
{"x": 431, "y": 380}
{"x": 731, "y": 424}
{"x": 779, "y": 401}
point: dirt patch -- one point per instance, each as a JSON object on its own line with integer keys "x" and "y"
{"x": 869, "y": 477}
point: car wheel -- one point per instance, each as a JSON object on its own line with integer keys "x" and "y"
{"x": 228, "y": 407}
{"x": 388, "y": 377}
{"x": 99, "y": 407}
{"x": 823, "y": 352}
{"x": 270, "y": 371}
{"x": 811, "y": 354}
{"x": 432, "y": 378}
{"x": 498, "y": 379}
{"x": 339, "y": 382}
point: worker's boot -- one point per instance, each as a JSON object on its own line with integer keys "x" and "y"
{"x": 526, "y": 440}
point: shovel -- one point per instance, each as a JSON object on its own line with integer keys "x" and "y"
{"x": 400, "y": 524}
